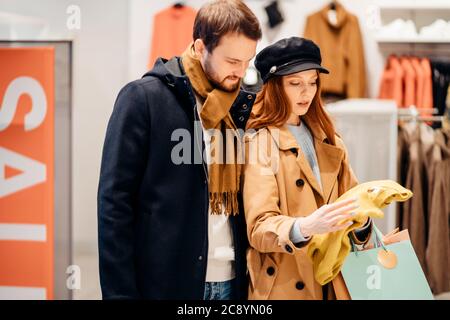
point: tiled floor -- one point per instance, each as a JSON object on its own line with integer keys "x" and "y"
{"x": 90, "y": 285}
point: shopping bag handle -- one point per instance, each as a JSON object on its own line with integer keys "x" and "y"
{"x": 379, "y": 237}
{"x": 385, "y": 257}
{"x": 378, "y": 242}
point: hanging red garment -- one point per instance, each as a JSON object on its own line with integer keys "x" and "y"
{"x": 172, "y": 32}
{"x": 391, "y": 86}
{"x": 420, "y": 81}
{"x": 427, "y": 101}
{"x": 409, "y": 82}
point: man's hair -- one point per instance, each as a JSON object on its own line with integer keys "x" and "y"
{"x": 218, "y": 18}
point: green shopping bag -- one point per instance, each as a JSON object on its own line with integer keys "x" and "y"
{"x": 386, "y": 272}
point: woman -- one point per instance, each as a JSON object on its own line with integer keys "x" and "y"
{"x": 296, "y": 166}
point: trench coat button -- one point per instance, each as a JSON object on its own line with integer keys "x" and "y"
{"x": 300, "y": 182}
{"x": 244, "y": 107}
{"x": 288, "y": 248}
{"x": 200, "y": 258}
{"x": 241, "y": 118}
{"x": 249, "y": 97}
{"x": 300, "y": 285}
{"x": 270, "y": 271}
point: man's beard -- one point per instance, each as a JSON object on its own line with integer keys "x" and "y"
{"x": 213, "y": 79}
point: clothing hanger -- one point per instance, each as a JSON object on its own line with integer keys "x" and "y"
{"x": 333, "y": 5}
{"x": 332, "y": 14}
{"x": 178, "y": 5}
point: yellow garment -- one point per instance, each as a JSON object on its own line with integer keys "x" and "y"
{"x": 328, "y": 251}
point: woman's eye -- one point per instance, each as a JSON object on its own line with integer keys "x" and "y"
{"x": 313, "y": 83}
{"x": 294, "y": 83}
{"x": 232, "y": 62}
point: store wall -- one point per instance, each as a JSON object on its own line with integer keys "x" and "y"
{"x": 295, "y": 13}
{"x": 100, "y": 66}
{"x": 112, "y": 48}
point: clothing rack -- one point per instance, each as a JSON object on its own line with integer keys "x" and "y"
{"x": 422, "y": 118}
{"x": 412, "y": 110}
{"x": 417, "y": 49}
{"x": 412, "y": 114}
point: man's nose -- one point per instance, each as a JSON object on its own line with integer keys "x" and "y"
{"x": 240, "y": 72}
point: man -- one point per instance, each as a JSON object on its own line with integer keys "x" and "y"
{"x": 170, "y": 225}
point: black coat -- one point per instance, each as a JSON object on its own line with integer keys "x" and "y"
{"x": 152, "y": 213}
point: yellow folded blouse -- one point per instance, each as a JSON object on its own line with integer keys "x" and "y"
{"x": 328, "y": 251}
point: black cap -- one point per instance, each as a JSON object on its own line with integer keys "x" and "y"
{"x": 288, "y": 56}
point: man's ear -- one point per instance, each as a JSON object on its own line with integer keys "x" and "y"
{"x": 199, "y": 48}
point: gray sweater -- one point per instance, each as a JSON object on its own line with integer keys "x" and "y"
{"x": 306, "y": 142}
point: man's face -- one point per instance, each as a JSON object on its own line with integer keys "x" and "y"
{"x": 225, "y": 66}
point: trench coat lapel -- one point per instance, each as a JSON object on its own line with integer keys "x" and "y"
{"x": 330, "y": 159}
{"x": 328, "y": 156}
{"x": 287, "y": 141}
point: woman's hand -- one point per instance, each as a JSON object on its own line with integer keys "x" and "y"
{"x": 326, "y": 218}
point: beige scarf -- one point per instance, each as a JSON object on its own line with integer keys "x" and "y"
{"x": 224, "y": 169}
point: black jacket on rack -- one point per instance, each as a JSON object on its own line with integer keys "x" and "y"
{"x": 152, "y": 213}
{"x": 441, "y": 81}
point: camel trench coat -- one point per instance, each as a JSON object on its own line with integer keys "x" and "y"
{"x": 278, "y": 186}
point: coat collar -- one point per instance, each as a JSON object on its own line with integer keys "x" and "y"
{"x": 171, "y": 73}
{"x": 328, "y": 156}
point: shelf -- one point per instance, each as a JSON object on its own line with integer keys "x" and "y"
{"x": 412, "y": 40}
{"x": 414, "y": 5}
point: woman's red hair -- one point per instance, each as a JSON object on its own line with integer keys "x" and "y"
{"x": 272, "y": 108}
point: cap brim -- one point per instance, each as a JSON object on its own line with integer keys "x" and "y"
{"x": 304, "y": 66}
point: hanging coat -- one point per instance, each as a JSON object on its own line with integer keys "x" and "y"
{"x": 342, "y": 51}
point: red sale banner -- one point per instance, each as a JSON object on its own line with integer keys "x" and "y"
{"x": 26, "y": 173}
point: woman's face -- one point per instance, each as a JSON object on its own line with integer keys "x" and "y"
{"x": 300, "y": 88}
